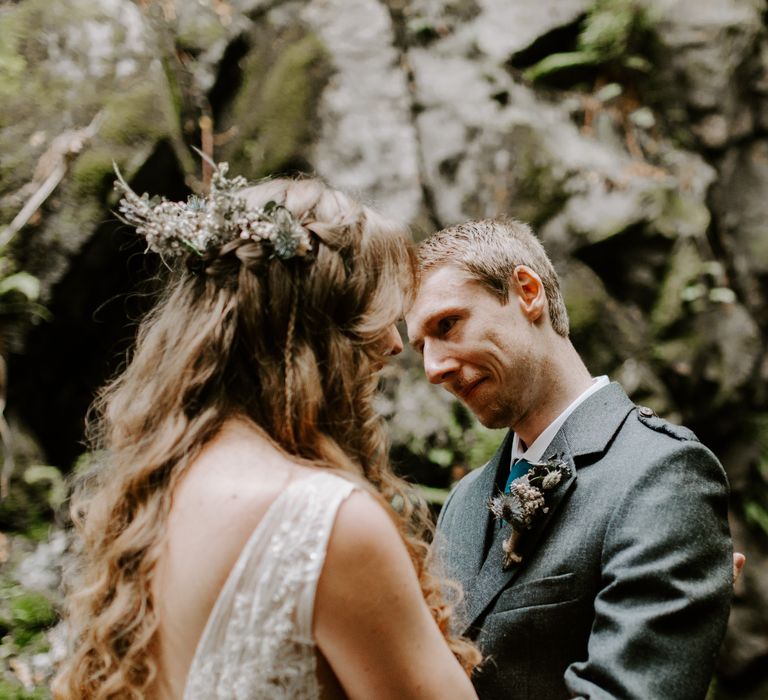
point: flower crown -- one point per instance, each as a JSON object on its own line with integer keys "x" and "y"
{"x": 196, "y": 226}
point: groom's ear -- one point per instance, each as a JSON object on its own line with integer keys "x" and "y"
{"x": 529, "y": 291}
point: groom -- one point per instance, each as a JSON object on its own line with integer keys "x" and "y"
{"x": 620, "y": 584}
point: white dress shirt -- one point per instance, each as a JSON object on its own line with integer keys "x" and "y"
{"x": 535, "y": 452}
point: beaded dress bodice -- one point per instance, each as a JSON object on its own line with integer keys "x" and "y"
{"x": 258, "y": 640}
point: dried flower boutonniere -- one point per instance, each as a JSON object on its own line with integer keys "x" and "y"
{"x": 526, "y": 501}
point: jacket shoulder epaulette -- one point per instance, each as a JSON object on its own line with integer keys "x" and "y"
{"x": 648, "y": 418}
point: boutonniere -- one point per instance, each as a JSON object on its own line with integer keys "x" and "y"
{"x": 526, "y": 502}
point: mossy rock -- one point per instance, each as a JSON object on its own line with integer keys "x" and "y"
{"x": 717, "y": 348}
{"x": 26, "y": 509}
{"x": 39, "y": 77}
{"x": 682, "y": 216}
{"x": 13, "y": 66}
{"x": 685, "y": 267}
{"x": 530, "y": 185}
{"x": 110, "y": 62}
{"x": 595, "y": 317}
{"x": 141, "y": 114}
{"x": 585, "y": 297}
{"x": 93, "y": 172}
{"x": 198, "y": 26}
{"x": 275, "y": 110}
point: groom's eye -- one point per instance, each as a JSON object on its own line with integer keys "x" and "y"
{"x": 444, "y": 325}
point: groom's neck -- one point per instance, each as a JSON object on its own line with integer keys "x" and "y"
{"x": 561, "y": 380}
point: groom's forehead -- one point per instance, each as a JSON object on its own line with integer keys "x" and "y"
{"x": 438, "y": 289}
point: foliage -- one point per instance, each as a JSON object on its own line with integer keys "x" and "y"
{"x": 26, "y": 620}
{"x": 12, "y": 691}
{"x": 31, "y": 613}
{"x": 19, "y": 292}
{"x": 435, "y": 438}
{"x": 42, "y": 474}
{"x": 755, "y": 499}
{"x": 32, "y": 501}
{"x": 613, "y": 35}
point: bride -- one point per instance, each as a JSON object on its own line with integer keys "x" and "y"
{"x": 237, "y": 536}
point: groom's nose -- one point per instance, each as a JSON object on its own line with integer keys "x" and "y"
{"x": 438, "y": 365}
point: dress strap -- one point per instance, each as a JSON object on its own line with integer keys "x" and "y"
{"x": 331, "y": 491}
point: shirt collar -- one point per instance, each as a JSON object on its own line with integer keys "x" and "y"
{"x": 536, "y": 450}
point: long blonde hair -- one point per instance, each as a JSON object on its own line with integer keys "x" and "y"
{"x": 290, "y": 345}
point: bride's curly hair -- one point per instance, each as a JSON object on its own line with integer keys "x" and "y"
{"x": 290, "y": 345}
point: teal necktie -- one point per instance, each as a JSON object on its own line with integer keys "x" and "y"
{"x": 520, "y": 467}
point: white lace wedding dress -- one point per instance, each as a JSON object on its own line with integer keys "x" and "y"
{"x": 258, "y": 642}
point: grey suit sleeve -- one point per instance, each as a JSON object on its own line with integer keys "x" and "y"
{"x": 665, "y": 587}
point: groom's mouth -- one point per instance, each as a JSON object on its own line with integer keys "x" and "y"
{"x": 465, "y": 393}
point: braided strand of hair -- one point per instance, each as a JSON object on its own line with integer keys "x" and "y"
{"x": 289, "y": 369}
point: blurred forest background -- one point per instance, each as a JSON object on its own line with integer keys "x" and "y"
{"x": 633, "y": 135}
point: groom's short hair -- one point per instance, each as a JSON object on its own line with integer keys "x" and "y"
{"x": 490, "y": 250}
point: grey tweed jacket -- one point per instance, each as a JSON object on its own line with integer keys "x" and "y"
{"x": 624, "y": 587}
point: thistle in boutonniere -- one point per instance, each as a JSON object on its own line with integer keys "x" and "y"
{"x": 526, "y": 502}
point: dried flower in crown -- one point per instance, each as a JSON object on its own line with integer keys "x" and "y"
{"x": 202, "y": 223}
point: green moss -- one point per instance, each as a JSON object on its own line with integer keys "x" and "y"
{"x": 24, "y": 508}
{"x": 679, "y": 352}
{"x": 682, "y": 216}
{"x": 30, "y": 641}
{"x": 685, "y": 266}
{"x": 14, "y": 691}
{"x": 538, "y": 188}
{"x": 32, "y": 611}
{"x": 200, "y": 29}
{"x": 532, "y": 179}
{"x": 38, "y": 532}
{"x": 276, "y": 106}
{"x": 92, "y": 172}
{"x": 13, "y": 66}
{"x": 615, "y": 34}
{"x": 755, "y": 243}
{"x": 12, "y": 69}
{"x": 585, "y": 298}
{"x": 136, "y": 116}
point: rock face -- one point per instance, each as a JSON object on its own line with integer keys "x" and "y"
{"x": 633, "y": 135}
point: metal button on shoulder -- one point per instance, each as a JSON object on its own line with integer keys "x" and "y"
{"x": 646, "y": 412}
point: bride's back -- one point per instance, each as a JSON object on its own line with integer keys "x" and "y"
{"x": 215, "y": 509}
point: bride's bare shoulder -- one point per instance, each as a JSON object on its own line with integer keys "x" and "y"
{"x": 365, "y": 543}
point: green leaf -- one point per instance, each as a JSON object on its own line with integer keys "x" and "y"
{"x": 58, "y": 489}
{"x": 561, "y": 61}
{"x": 609, "y": 92}
{"x": 441, "y": 456}
{"x": 638, "y": 63}
{"x": 22, "y": 282}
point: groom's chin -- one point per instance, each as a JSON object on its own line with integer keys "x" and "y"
{"x": 492, "y": 417}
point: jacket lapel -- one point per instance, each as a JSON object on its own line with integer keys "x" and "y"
{"x": 588, "y": 431}
{"x": 473, "y": 529}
